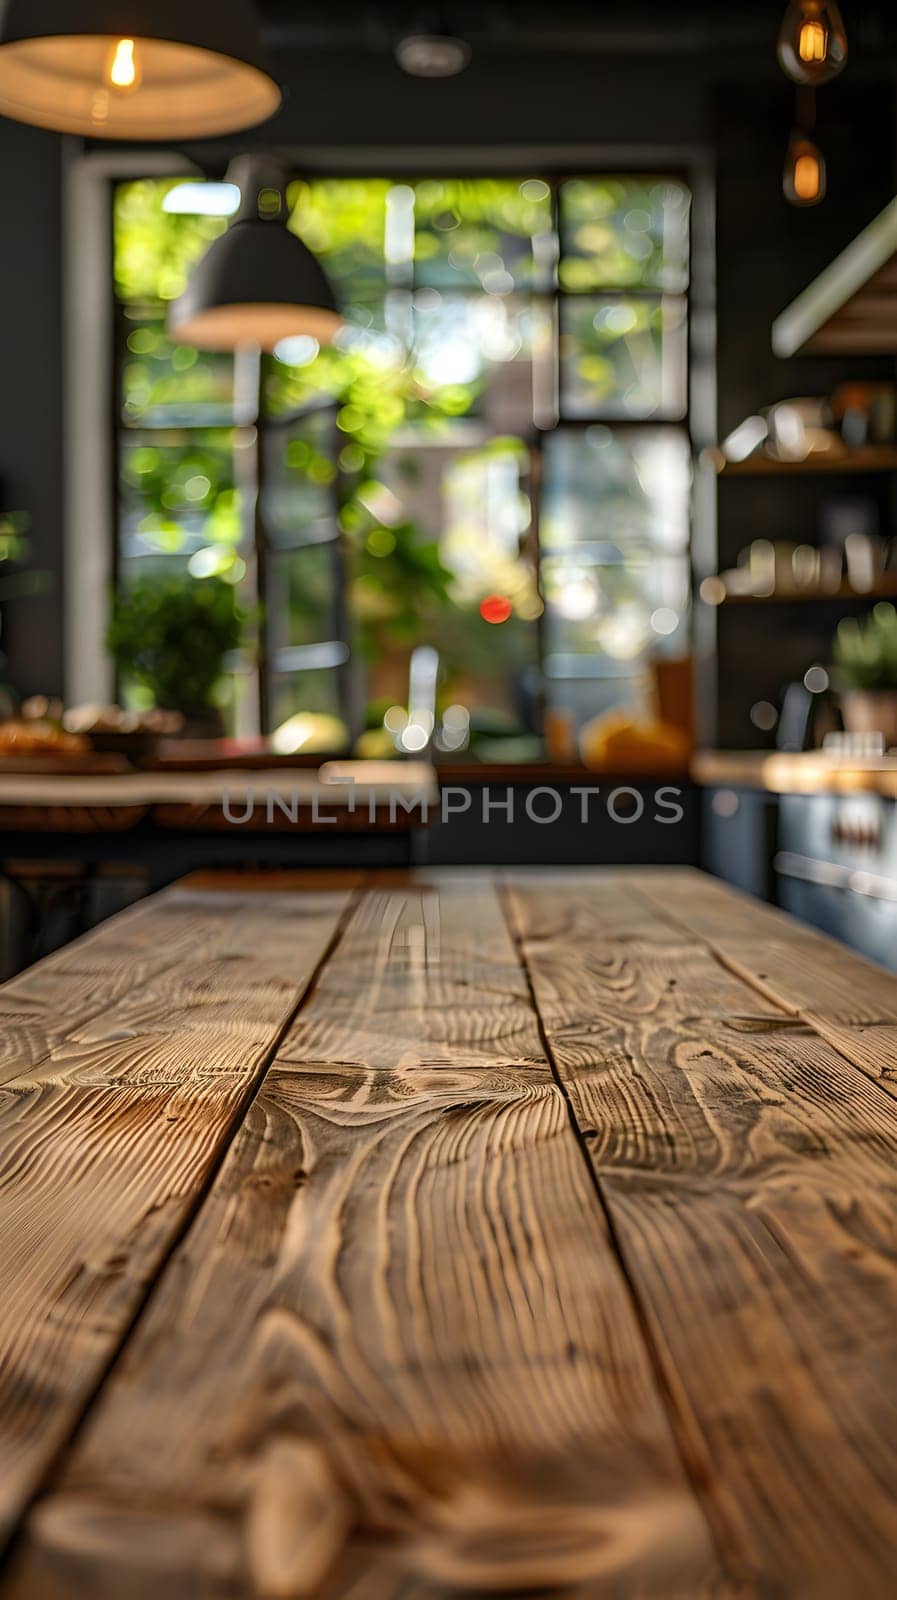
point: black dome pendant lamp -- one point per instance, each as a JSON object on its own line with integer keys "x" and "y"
{"x": 258, "y": 284}
{"x": 135, "y": 69}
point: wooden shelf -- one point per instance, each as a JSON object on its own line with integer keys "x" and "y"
{"x": 873, "y": 458}
{"x": 886, "y": 590}
{"x": 851, "y": 308}
{"x": 816, "y": 597}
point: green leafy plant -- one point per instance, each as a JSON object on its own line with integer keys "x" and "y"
{"x": 17, "y": 583}
{"x": 865, "y": 653}
{"x": 169, "y": 636}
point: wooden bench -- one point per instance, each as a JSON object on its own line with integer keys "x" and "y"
{"x": 408, "y": 1236}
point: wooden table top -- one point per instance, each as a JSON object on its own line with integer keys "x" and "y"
{"x": 403, "y": 1237}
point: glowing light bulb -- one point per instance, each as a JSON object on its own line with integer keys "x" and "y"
{"x": 807, "y": 178}
{"x": 804, "y": 179}
{"x": 812, "y": 41}
{"x": 123, "y": 69}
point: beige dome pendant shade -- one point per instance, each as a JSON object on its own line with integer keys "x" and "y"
{"x": 258, "y": 284}
{"x": 135, "y": 69}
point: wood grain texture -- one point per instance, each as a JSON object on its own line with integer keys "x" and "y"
{"x": 131, "y": 1056}
{"x": 846, "y": 999}
{"x": 751, "y": 1175}
{"x": 395, "y": 1356}
{"x": 39, "y": 1007}
{"x": 82, "y": 980}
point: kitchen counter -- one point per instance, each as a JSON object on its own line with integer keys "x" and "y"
{"x": 372, "y": 794}
{"x": 779, "y": 773}
{"x": 812, "y": 833}
{"x": 379, "y": 813}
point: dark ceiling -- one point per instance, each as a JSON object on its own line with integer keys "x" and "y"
{"x": 551, "y": 74}
{"x": 512, "y": 26}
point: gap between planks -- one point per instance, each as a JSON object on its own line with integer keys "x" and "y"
{"x": 692, "y": 1466}
{"x": 771, "y": 1203}
{"x": 693, "y": 1209}
{"x": 418, "y": 1043}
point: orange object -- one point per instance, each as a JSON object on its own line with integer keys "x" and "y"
{"x": 496, "y": 608}
{"x": 20, "y": 738}
{"x": 620, "y": 742}
{"x": 674, "y": 692}
{"x": 560, "y": 738}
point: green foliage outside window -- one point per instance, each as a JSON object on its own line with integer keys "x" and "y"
{"x": 448, "y": 287}
{"x": 179, "y": 494}
{"x": 624, "y": 233}
{"x": 155, "y": 251}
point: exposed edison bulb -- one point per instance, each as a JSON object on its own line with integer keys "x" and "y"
{"x": 804, "y": 177}
{"x": 812, "y": 41}
{"x": 124, "y": 70}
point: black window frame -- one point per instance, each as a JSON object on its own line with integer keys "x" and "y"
{"x": 260, "y": 428}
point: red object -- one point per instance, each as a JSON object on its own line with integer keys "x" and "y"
{"x": 496, "y": 608}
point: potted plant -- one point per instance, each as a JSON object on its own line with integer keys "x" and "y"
{"x": 169, "y": 636}
{"x": 865, "y": 661}
{"x": 16, "y": 583}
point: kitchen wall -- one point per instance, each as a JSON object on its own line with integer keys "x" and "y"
{"x": 738, "y": 107}
{"x": 768, "y": 252}
{"x": 31, "y": 463}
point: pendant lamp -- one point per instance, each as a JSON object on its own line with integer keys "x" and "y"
{"x": 804, "y": 178}
{"x": 135, "y": 69}
{"x": 812, "y": 42}
{"x": 257, "y": 284}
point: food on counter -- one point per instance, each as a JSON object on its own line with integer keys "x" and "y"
{"x": 40, "y": 709}
{"x": 22, "y": 736}
{"x": 92, "y": 719}
{"x": 620, "y": 742}
{"x": 375, "y": 744}
{"x": 310, "y": 733}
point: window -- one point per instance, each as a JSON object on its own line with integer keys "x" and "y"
{"x": 494, "y": 460}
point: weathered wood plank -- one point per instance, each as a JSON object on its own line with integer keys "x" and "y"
{"x": 43, "y": 1004}
{"x": 396, "y": 1347}
{"x": 108, "y": 1133}
{"x": 847, "y": 1000}
{"x": 751, "y": 1175}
